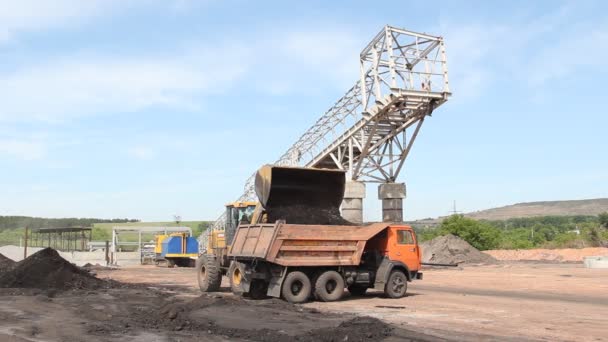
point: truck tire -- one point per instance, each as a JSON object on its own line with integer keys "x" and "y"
{"x": 329, "y": 286}
{"x": 170, "y": 263}
{"x": 357, "y": 290}
{"x": 296, "y": 287}
{"x": 396, "y": 286}
{"x": 235, "y": 275}
{"x": 208, "y": 273}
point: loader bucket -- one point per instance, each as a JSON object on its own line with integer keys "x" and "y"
{"x": 301, "y": 195}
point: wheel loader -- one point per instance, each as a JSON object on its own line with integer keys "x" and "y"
{"x": 295, "y": 245}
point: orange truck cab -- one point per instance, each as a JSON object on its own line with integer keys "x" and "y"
{"x": 399, "y": 245}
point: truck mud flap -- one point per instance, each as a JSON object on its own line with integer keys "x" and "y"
{"x": 384, "y": 270}
{"x": 276, "y": 280}
{"x": 382, "y": 274}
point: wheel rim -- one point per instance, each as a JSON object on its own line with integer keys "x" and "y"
{"x": 236, "y": 276}
{"x": 330, "y": 286}
{"x": 296, "y": 287}
{"x": 398, "y": 284}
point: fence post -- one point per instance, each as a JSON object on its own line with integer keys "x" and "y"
{"x": 107, "y": 252}
{"x": 25, "y": 244}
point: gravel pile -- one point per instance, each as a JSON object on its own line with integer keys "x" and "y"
{"x": 450, "y": 249}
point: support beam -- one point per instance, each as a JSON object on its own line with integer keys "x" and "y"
{"x": 392, "y": 195}
{"x": 352, "y": 205}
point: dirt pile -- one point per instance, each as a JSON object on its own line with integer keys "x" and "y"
{"x": 5, "y": 263}
{"x": 215, "y": 315}
{"x": 548, "y": 255}
{"x": 46, "y": 269}
{"x": 356, "y": 329}
{"x": 450, "y": 249}
{"x": 306, "y": 214}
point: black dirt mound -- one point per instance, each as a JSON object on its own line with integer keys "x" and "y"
{"x": 46, "y": 269}
{"x": 356, "y": 329}
{"x": 177, "y": 316}
{"x": 5, "y": 263}
{"x": 303, "y": 214}
{"x": 450, "y": 249}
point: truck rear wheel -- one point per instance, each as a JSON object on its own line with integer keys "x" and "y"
{"x": 396, "y": 286}
{"x": 208, "y": 273}
{"x": 329, "y": 286}
{"x": 296, "y": 287}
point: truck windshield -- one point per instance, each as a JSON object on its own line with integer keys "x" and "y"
{"x": 404, "y": 237}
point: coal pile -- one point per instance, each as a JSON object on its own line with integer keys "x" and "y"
{"x": 307, "y": 214}
{"x": 46, "y": 269}
{"x": 177, "y": 317}
{"x": 450, "y": 249}
{"x": 356, "y": 329}
{"x": 5, "y": 263}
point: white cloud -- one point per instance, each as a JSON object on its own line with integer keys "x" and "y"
{"x": 33, "y": 15}
{"x": 23, "y": 16}
{"x": 141, "y": 152}
{"x": 330, "y": 51}
{"x": 528, "y": 50}
{"x": 23, "y": 149}
{"x": 583, "y": 50}
{"x": 89, "y": 85}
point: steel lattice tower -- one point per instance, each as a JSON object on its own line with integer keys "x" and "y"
{"x": 369, "y": 132}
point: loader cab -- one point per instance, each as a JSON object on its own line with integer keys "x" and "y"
{"x": 237, "y": 213}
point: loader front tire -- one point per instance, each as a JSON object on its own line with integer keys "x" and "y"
{"x": 208, "y": 273}
{"x": 235, "y": 275}
{"x": 296, "y": 287}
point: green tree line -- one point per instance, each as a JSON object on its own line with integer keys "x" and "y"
{"x": 14, "y": 222}
{"x": 524, "y": 233}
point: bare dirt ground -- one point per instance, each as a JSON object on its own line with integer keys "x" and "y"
{"x": 564, "y": 254}
{"x": 524, "y": 301}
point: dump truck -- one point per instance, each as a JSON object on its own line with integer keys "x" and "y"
{"x": 298, "y": 246}
{"x": 297, "y": 262}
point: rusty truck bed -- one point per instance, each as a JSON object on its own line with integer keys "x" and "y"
{"x": 303, "y": 245}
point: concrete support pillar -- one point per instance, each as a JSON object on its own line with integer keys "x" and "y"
{"x": 352, "y": 205}
{"x": 392, "y": 195}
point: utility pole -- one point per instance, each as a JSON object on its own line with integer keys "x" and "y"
{"x": 454, "y": 211}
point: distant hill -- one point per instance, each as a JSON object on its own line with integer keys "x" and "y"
{"x": 591, "y": 207}
{"x": 588, "y": 207}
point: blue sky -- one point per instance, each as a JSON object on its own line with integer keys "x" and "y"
{"x": 145, "y": 109}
